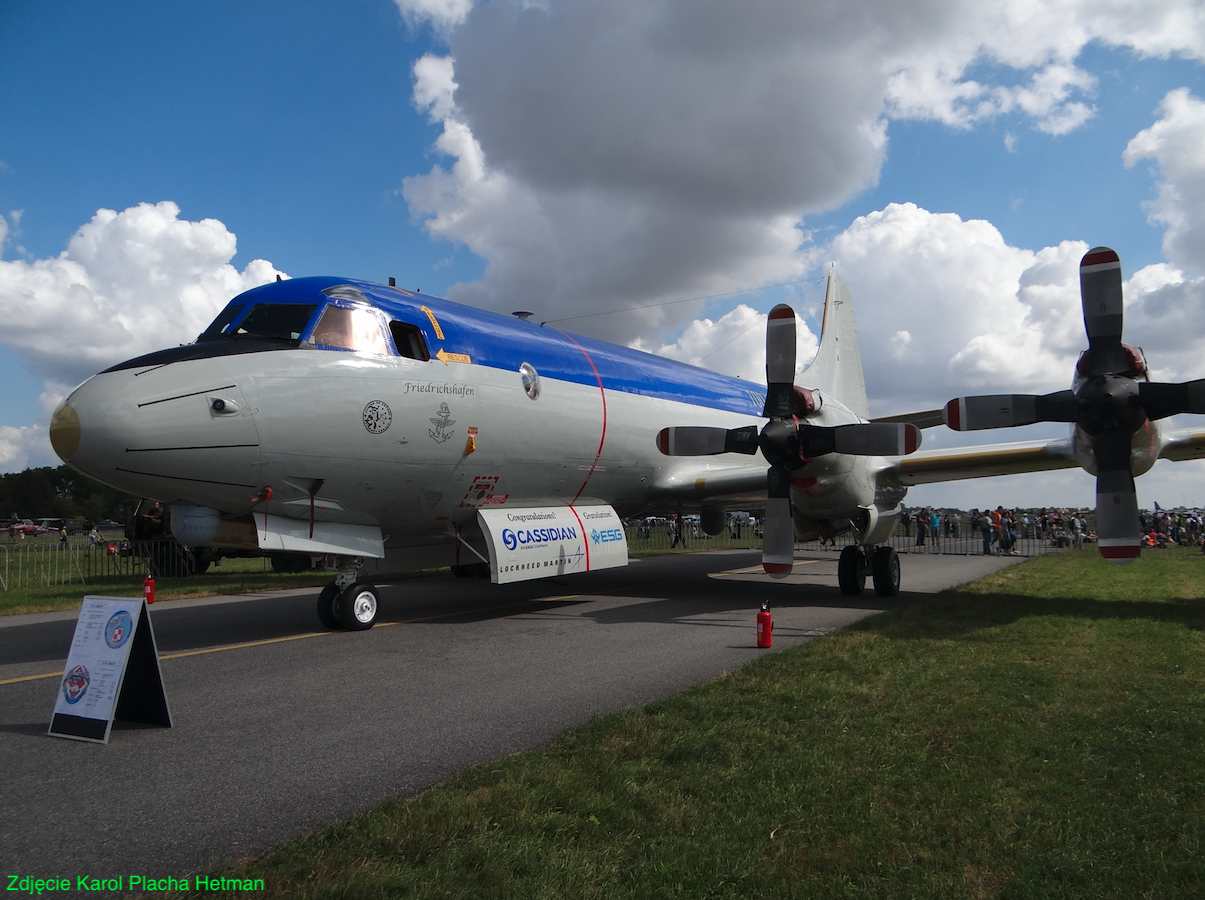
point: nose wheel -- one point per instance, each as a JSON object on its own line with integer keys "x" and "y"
{"x": 882, "y": 564}
{"x": 354, "y": 608}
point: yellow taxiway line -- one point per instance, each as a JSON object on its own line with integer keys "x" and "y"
{"x": 311, "y": 634}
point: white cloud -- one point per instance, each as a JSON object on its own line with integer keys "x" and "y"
{"x": 1174, "y": 143}
{"x": 441, "y": 14}
{"x": 735, "y": 344}
{"x": 128, "y": 283}
{"x": 644, "y": 150}
{"x": 28, "y": 445}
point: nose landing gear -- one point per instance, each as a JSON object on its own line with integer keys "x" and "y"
{"x": 881, "y": 563}
{"x": 348, "y": 603}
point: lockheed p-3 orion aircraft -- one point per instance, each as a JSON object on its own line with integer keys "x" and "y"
{"x": 379, "y": 430}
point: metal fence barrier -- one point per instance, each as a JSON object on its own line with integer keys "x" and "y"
{"x": 33, "y": 563}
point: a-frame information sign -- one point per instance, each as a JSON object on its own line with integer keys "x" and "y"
{"x": 112, "y": 672}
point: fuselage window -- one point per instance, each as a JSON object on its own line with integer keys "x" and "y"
{"x": 278, "y": 320}
{"x": 222, "y": 322}
{"x": 408, "y": 340}
{"x": 351, "y": 329}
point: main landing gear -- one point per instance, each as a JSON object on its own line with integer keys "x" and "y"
{"x": 347, "y": 602}
{"x": 881, "y": 563}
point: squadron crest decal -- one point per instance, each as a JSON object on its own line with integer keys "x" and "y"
{"x": 377, "y": 416}
{"x": 119, "y": 629}
{"x": 444, "y": 421}
{"x": 75, "y": 685}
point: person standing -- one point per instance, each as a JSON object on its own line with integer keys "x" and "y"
{"x": 1077, "y": 531}
{"x": 935, "y": 530}
{"x": 63, "y": 538}
{"x": 988, "y": 529}
{"x": 920, "y": 528}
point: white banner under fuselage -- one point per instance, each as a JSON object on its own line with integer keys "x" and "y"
{"x": 554, "y": 540}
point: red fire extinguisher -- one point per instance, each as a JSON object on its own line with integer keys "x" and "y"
{"x": 765, "y": 625}
{"x": 148, "y": 589}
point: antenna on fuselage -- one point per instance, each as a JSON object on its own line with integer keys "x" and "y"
{"x": 522, "y": 314}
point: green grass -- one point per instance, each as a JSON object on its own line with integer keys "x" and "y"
{"x": 234, "y": 576}
{"x": 1037, "y": 734}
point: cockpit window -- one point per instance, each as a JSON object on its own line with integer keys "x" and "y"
{"x": 222, "y": 322}
{"x": 408, "y": 340}
{"x": 356, "y": 329}
{"x": 276, "y": 320}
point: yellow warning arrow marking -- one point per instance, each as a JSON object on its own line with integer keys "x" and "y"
{"x": 445, "y": 357}
{"x": 439, "y": 332}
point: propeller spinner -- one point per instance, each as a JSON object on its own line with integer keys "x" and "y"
{"x": 1111, "y": 401}
{"x": 785, "y": 442}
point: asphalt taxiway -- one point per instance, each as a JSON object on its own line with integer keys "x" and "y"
{"x": 280, "y": 727}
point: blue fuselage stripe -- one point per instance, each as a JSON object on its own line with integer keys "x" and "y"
{"x": 505, "y": 342}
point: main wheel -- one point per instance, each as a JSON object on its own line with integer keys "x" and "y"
{"x": 850, "y": 576}
{"x": 885, "y": 569}
{"x": 328, "y": 607}
{"x": 358, "y": 606}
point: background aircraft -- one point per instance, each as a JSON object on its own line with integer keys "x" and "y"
{"x": 383, "y": 430}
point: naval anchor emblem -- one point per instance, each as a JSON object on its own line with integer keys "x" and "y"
{"x": 440, "y": 433}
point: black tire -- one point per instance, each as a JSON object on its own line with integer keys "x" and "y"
{"x": 328, "y": 607}
{"x": 885, "y": 569}
{"x": 850, "y": 576}
{"x": 358, "y": 606}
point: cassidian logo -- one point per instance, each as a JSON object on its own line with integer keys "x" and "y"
{"x": 75, "y": 685}
{"x": 606, "y": 536}
{"x": 523, "y": 536}
{"x": 117, "y": 632}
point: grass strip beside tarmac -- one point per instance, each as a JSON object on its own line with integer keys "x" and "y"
{"x": 234, "y": 576}
{"x": 1036, "y": 734}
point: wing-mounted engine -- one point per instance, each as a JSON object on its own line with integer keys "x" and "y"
{"x": 788, "y": 441}
{"x": 1111, "y": 400}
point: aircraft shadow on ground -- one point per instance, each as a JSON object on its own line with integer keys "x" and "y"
{"x": 954, "y": 614}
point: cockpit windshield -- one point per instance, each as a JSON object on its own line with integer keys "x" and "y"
{"x": 356, "y": 329}
{"x": 285, "y": 321}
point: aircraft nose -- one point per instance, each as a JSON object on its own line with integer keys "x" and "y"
{"x": 65, "y": 431}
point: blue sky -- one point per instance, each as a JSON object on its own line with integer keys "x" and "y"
{"x": 294, "y": 125}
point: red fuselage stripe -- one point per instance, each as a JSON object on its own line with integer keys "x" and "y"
{"x": 603, "y": 437}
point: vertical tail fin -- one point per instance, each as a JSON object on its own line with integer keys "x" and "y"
{"x": 837, "y": 368}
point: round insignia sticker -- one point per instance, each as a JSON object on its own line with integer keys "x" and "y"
{"x": 118, "y": 631}
{"x": 377, "y": 416}
{"x": 75, "y": 685}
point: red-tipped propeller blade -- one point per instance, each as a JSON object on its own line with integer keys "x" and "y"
{"x": 778, "y": 532}
{"x": 1118, "y": 535}
{"x": 1007, "y": 410}
{"x": 701, "y": 440}
{"x": 780, "y": 362}
{"x": 1100, "y": 295}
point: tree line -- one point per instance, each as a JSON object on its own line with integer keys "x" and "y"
{"x": 61, "y": 493}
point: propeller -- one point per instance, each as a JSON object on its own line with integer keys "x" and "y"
{"x": 786, "y": 442}
{"x": 1110, "y": 401}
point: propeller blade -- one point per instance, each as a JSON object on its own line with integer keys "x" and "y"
{"x": 780, "y": 361}
{"x": 778, "y": 533}
{"x": 1163, "y": 400}
{"x": 1117, "y": 531}
{"x": 1007, "y": 410}
{"x": 860, "y": 440}
{"x": 701, "y": 440}
{"x": 1100, "y": 295}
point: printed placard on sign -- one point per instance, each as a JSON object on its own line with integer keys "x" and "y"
{"x": 557, "y": 540}
{"x": 112, "y": 672}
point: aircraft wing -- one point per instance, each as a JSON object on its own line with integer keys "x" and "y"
{"x": 930, "y": 418}
{"x": 1184, "y": 445}
{"x": 701, "y": 478}
{"x": 928, "y": 467}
